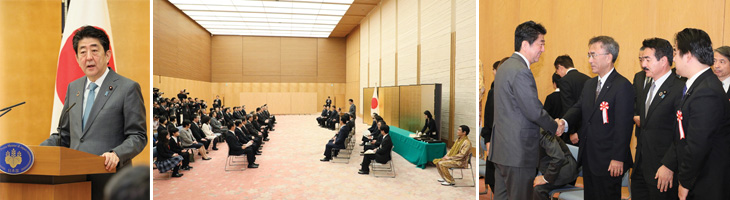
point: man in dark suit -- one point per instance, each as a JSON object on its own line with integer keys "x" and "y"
{"x": 245, "y": 138}
{"x": 570, "y": 85}
{"x": 605, "y": 108}
{"x": 217, "y": 102}
{"x": 337, "y": 142}
{"x": 382, "y": 153}
{"x": 332, "y": 118}
{"x": 702, "y": 133}
{"x": 722, "y": 67}
{"x": 553, "y": 104}
{"x": 323, "y": 116}
{"x": 328, "y": 102}
{"x": 236, "y": 148}
{"x": 237, "y": 113}
{"x": 656, "y": 110}
{"x": 557, "y": 165}
{"x": 516, "y": 130}
{"x": 198, "y": 133}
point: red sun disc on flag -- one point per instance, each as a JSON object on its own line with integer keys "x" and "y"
{"x": 374, "y": 103}
{"x": 68, "y": 68}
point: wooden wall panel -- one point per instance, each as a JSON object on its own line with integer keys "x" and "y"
{"x": 390, "y": 104}
{"x": 436, "y": 51}
{"x": 252, "y": 100}
{"x": 366, "y": 100}
{"x": 388, "y": 43}
{"x": 279, "y": 102}
{"x": 411, "y": 114}
{"x": 183, "y": 47}
{"x": 331, "y": 60}
{"x": 298, "y": 57}
{"x": 171, "y": 87}
{"x": 408, "y": 40}
{"x": 364, "y": 59}
{"x": 261, "y": 56}
{"x": 227, "y": 59}
{"x": 465, "y": 98}
{"x": 374, "y": 47}
{"x": 352, "y": 90}
{"x": 301, "y": 102}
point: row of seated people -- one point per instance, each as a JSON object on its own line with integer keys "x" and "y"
{"x": 329, "y": 117}
{"x": 338, "y": 140}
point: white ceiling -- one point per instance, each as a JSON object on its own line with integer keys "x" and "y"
{"x": 288, "y": 18}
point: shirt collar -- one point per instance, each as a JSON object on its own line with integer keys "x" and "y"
{"x": 98, "y": 81}
{"x": 603, "y": 79}
{"x": 694, "y": 78}
{"x": 726, "y": 83}
{"x": 524, "y": 58}
{"x": 571, "y": 69}
{"x": 658, "y": 82}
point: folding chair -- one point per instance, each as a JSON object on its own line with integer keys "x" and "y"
{"x": 383, "y": 169}
{"x": 461, "y": 171}
{"x": 231, "y": 161}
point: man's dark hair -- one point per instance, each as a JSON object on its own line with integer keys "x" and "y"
{"x": 724, "y": 51}
{"x": 496, "y": 65}
{"x": 173, "y": 130}
{"x": 237, "y": 123}
{"x": 563, "y": 60}
{"x": 556, "y": 78}
{"x": 90, "y": 32}
{"x": 345, "y": 118}
{"x": 662, "y": 48}
{"x": 163, "y": 119}
{"x": 186, "y": 123}
{"x": 608, "y": 44}
{"x": 129, "y": 183}
{"x": 696, "y": 42}
{"x": 351, "y": 100}
{"x": 385, "y": 128}
{"x": 205, "y": 119}
{"x": 258, "y": 109}
{"x": 528, "y": 31}
{"x": 230, "y": 125}
{"x": 465, "y": 128}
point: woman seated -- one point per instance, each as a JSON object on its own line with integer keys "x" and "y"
{"x": 167, "y": 159}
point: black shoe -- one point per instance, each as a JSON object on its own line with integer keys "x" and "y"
{"x": 208, "y": 158}
{"x": 258, "y": 153}
{"x": 186, "y": 168}
{"x": 215, "y": 149}
{"x": 177, "y": 175}
{"x": 325, "y": 159}
{"x": 363, "y": 172}
{"x": 253, "y": 166}
{"x": 362, "y": 144}
{"x": 266, "y": 140}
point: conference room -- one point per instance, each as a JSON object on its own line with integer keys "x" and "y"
{"x": 241, "y": 86}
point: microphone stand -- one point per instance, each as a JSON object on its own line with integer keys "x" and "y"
{"x": 8, "y": 109}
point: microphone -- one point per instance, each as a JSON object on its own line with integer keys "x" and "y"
{"x": 64, "y": 117}
{"x": 8, "y": 109}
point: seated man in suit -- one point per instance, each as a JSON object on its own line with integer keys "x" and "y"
{"x": 334, "y": 118}
{"x": 236, "y": 148}
{"x": 557, "y": 165}
{"x": 374, "y": 140}
{"x": 244, "y": 137}
{"x": 373, "y": 130}
{"x": 176, "y": 147}
{"x": 337, "y": 142}
{"x": 323, "y": 116}
{"x": 552, "y": 102}
{"x": 268, "y": 115}
{"x": 382, "y": 153}
{"x": 198, "y": 132}
{"x": 456, "y": 157}
{"x": 256, "y": 126}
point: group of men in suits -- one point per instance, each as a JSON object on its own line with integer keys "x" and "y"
{"x": 683, "y": 124}
{"x": 329, "y": 117}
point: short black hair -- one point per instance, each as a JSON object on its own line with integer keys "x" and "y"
{"x": 237, "y": 123}
{"x": 186, "y": 123}
{"x": 556, "y": 78}
{"x": 173, "y": 130}
{"x": 496, "y": 65}
{"x": 385, "y": 128}
{"x": 528, "y": 31}
{"x": 662, "y": 48}
{"x": 163, "y": 119}
{"x": 351, "y": 100}
{"x": 696, "y": 42}
{"x": 345, "y": 118}
{"x": 465, "y": 128}
{"x": 258, "y": 109}
{"x": 90, "y": 32}
{"x": 205, "y": 119}
{"x": 724, "y": 51}
{"x": 563, "y": 60}
{"x": 230, "y": 125}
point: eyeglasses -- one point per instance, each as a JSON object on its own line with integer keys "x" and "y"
{"x": 593, "y": 55}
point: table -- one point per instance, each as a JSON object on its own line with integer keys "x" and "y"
{"x": 416, "y": 152}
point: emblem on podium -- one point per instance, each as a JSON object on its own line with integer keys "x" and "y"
{"x": 18, "y": 158}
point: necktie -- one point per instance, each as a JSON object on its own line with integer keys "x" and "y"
{"x": 684, "y": 92}
{"x": 649, "y": 98}
{"x": 647, "y": 82}
{"x": 598, "y": 89}
{"x": 89, "y": 103}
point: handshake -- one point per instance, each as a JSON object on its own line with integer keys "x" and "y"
{"x": 561, "y": 127}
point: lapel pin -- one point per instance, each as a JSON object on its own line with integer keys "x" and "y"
{"x": 107, "y": 92}
{"x": 662, "y": 94}
{"x": 78, "y": 93}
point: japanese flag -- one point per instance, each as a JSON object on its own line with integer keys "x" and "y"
{"x": 80, "y": 13}
{"x": 374, "y": 102}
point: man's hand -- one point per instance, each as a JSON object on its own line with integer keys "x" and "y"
{"x": 682, "y": 193}
{"x": 664, "y": 178}
{"x": 616, "y": 168}
{"x": 111, "y": 160}
{"x": 574, "y": 138}
{"x": 203, "y": 139}
{"x": 561, "y": 127}
{"x": 539, "y": 180}
{"x": 637, "y": 120}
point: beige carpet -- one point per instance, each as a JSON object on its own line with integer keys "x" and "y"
{"x": 290, "y": 169}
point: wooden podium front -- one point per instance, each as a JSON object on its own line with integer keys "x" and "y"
{"x": 57, "y": 173}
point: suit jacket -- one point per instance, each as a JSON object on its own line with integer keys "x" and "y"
{"x": 557, "y": 164}
{"x": 197, "y": 132}
{"x": 341, "y": 136}
{"x": 328, "y": 102}
{"x": 325, "y": 113}
{"x": 430, "y": 125}
{"x": 609, "y": 141}
{"x": 553, "y": 105}
{"x": 486, "y": 132}
{"x": 571, "y": 85}
{"x": 237, "y": 115}
{"x": 382, "y": 155}
{"x": 216, "y": 103}
{"x": 175, "y": 146}
{"x": 352, "y": 110}
{"x": 241, "y": 137}
{"x": 640, "y": 90}
{"x": 234, "y": 146}
{"x": 116, "y": 122}
{"x": 186, "y": 137}
{"x": 520, "y": 116}
{"x": 702, "y": 154}
{"x": 656, "y": 135}
{"x": 215, "y": 125}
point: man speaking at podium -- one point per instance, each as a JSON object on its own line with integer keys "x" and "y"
{"x": 104, "y": 112}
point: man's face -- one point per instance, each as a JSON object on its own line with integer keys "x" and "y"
{"x": 535, "y": 49}
{"x": 721, "y": 67}
{"x": 650, "y": 64}
{"x": 92, "y": 58}
{"x": 680, "y": 62}
{"x": 460, "y": 132}
{"x": 561, "y": 71}
{"x": 601, "y": 60}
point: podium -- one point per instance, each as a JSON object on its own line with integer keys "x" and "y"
{"x": 57, "y": 173}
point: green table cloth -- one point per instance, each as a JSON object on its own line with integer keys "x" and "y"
{"x": 416, "y": 152}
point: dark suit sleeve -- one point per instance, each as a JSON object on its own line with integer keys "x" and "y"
{"x": 624, "y": 122}
{"x": 530, "y": 106}
{"x": 637, "y": 86}
{"x": 135, "y": 128}
{"x": 699, "y": 126}
{"x": 552, "y": 149}
{"x": 565, "y": 99}
{"x": 385, "y": 148}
